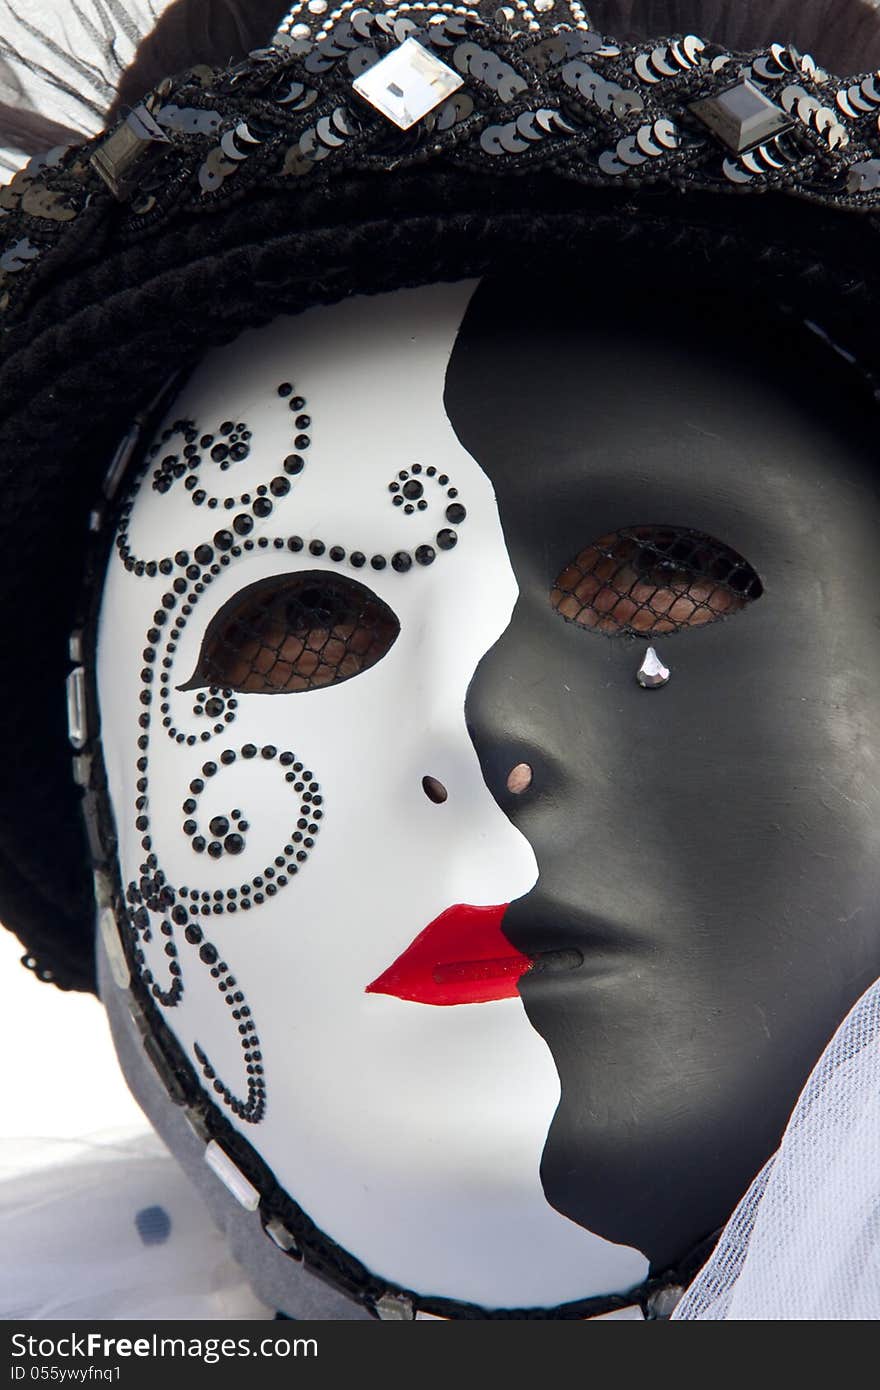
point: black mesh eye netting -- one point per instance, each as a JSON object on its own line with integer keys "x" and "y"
{"x": 294, "y": 633}
{"x": 645, "y": 580}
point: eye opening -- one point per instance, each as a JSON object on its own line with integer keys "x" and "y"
{"x": 646, "y": 580}
{"x": 294, "y": 632}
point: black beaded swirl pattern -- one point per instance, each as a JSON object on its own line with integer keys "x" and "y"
{"x": 293, "y": 632}
{"x": 410, "y": 491}
{"x": 152, "y": 897}
{"x": 185, "y": 449}
{"x": 156, "y": 905}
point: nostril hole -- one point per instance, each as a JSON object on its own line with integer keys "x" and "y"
{"x": 519, "y": 779}
{"x": 434, "y": 790}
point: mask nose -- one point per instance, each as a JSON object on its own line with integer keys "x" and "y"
{"x": 519, "y": 779}
{"x": 511, "y": 699}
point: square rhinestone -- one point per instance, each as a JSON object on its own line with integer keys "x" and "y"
{"x": 741, "y": 116}
{"x": 407, "y": 84}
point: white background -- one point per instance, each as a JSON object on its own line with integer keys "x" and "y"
{"x": 59, "y": 1070}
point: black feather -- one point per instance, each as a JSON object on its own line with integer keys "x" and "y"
{"x": 198, "y": 31}
{"x": 23, "y": 130}
{"x": 26, "y": 132}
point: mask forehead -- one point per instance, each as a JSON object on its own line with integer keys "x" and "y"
{"x": 343, "y": 859}
{"x": 327, "y": 428}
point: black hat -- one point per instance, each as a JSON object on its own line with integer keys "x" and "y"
{"x": 294, "y": 175}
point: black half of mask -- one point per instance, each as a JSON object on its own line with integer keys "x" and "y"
{"x": 708, "y": 905}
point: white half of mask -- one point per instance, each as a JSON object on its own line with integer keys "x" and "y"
{"x": 411, "y": 1134}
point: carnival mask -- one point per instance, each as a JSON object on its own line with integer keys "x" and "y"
{"x": 508, "y": 968}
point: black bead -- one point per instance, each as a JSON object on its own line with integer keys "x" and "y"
{"x": 456, "y": 513}
{"x": 293, "y": 464}
{"x": 358, "y": 559}
{"x": 337, "y": 553}
{"x": 262, "y": 507}
{"x": 316, "y": 547}
{"x": 243, "y": 524}
{"x": 413, "y": 489}
{"x": 223, "y": 540}
{"x": 446, "y": 539}
{"x": 426, "y": 554}
{"x": 233, "y": 844}
{"x": 219, "y": 825}
{"x": 295, "y": 543}
{"x": 378, "y": 562}
{"x": 401, "y": 562}
{"x": 204, "y": 554}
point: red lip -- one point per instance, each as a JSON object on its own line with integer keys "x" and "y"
{"x": 462, "y": 957}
